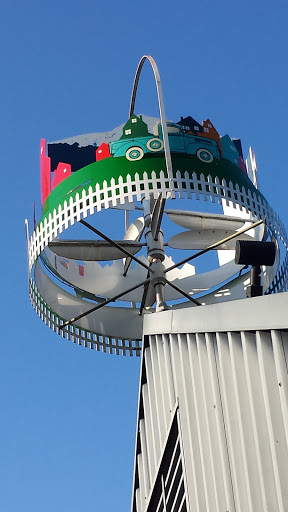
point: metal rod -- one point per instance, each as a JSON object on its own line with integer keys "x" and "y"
{"x": 103, "y": 304}
{"x": 144, "y": 297}
{"x": 126, "y": 219}
{"x": 127, "y": 253}
{"x": 127, "y": 264}
{"x": 213, "y": 246}
{"x": 167, "y": 152}
{"x": 160, "y": 296}
{"x": 156, "y": 216}
{"x": 184, "y": 293}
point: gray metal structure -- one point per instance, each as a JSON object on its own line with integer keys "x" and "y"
{"x": 212, "y": 428}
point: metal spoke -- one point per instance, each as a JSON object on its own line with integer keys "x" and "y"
{"x": 127, "y": 253}
{"x": 127, "y": 264}
{"x": 99, "y": 306}
{"x": 184, "y": 293}
{"x": 144, "y": 297}
{"x": 213, "y": 246}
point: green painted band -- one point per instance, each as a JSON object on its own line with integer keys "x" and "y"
{"x": 114, "y": 168}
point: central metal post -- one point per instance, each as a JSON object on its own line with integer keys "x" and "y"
{"x": 156, "y": 256}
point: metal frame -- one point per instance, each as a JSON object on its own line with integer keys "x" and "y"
{"x": 76, "y": 204}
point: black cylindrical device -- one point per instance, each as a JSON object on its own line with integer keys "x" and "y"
{"x": 254, "y": 253}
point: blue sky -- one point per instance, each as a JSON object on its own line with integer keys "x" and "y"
{"x": 68, "y": 414}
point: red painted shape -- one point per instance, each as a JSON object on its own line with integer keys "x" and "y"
{"x": 45, "y": 172}
{"x": 242, "y": 164}
{"x": 102, "y": 152}
{"x": 61, "y": 172}
{"x": 81, "y": 270}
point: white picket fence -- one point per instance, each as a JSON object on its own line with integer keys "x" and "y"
{"x": 121, "y": 192}
{"x": 113, "y": 194}
{"x": 84, "y": 337}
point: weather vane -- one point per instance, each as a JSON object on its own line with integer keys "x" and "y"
{"x": 148, "y": 166}
{"x": 126, "y": 214}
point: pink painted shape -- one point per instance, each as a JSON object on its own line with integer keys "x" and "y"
{"x": 45, "y": 172}
{"x": 61, "y": 172}
{"x": 65, "y": 263}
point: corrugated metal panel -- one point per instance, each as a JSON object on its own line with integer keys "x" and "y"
{"x": 168, "y": 490}
{"x": 232, "y": 395}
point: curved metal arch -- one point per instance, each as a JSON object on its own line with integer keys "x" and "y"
{"x": 161, "y": 107}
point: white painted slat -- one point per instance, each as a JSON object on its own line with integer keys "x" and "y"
{"x": 152, "y": 403}
{"x": 199, "y": 398}
{"x": 159, "y": 411}
{"x": 174, "y": 456}
{"x": 253, "y": 392}
{"x": 150, "y": 441}
{"x": 209, "y": 426}
{"x": 193, "y": 457}
{"x": 230, "y": 419}
{"x": 282, "y": 374}
{"x": 160, "y": 507}
{"x": 141, "y": 479}
{"x": 223, "y": 475}
{"x": 138, "y": 501}
{"x": 166, "y": 417}
{"x": 240, "y": 393}
{"x": 168, "y": 492}
{"x": 145, "y": 460}
{"x": 175, "y": 505}
{"x": 272, "y": 406}
{"x": 182, "y": 503}
{"x": 170, "y": 390}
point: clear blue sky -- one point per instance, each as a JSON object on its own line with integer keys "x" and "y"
{"x": 68, "y": 414}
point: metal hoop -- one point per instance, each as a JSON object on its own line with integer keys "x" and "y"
{"x": 161, "y": 107}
